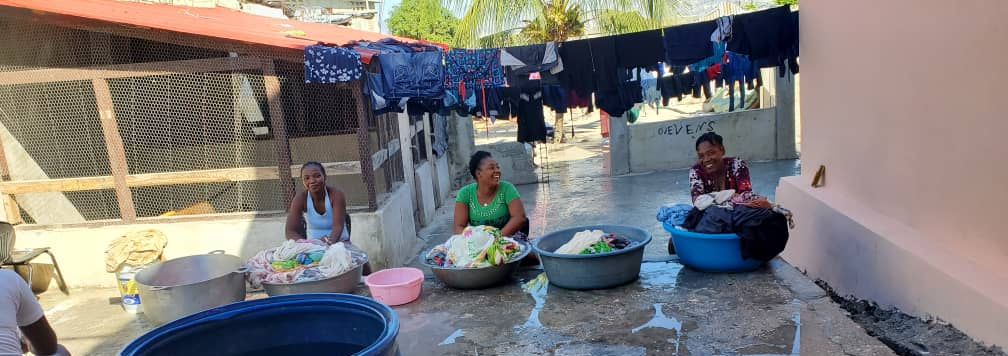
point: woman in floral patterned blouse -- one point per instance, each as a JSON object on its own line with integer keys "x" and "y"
{"x": 714, "y": 172}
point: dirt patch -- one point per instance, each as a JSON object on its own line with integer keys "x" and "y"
{"x": 907, "y": 335}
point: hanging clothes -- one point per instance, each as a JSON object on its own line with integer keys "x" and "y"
{"x": 686, "y": 44}
{"x": 530, "y": 58}
{"x": 640, "y": 49}
{"x": 327, "y": 65}
{"x": 770, "y": 35}
{"x": 617, "y": 88}
{"x": 579, "y": 71}
{"x": 470, "y": 69}
{"x": 738, "y": 69}
{"x": 531, "y": 122}
{"x": 723, "y": 32}
{"x": 649, "y": 89}
{"x": 409, "y": 70}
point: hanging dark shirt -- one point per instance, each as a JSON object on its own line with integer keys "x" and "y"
{"x": 766, "y": 36}
{"x": 578, "y": 70}
{"x": 687, "y": 44}
{"x": 640, "y": 49}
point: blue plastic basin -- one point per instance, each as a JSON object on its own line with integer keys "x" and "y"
{"x": 302, "y": 324}
{"x": 710, "y": 252}
{"x": 599, "y": 271}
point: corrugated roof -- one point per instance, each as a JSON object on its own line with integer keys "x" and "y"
{"x": 216, "y": 27}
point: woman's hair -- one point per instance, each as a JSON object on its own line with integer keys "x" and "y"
{"x": 475, "y": 160}
{"x": 315, "y": 164}
{"x": 710, "y": 137}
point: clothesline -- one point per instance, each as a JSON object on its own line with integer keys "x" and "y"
{"x": 614, "y": 70}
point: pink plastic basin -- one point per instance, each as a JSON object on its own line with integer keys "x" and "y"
{"x": 395, "y": 286}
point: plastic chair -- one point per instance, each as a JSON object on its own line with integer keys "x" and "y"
{"x": 25, "y": 257}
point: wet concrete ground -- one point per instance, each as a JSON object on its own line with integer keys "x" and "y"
{"x": 671, "y": 310}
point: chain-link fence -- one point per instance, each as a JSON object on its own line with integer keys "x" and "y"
{"x": 103, "y": 127}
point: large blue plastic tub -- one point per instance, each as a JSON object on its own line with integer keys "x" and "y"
{"x": 604, "y": 270}
{"x": 710, "y": 252}
{"x": 327, "y": 324}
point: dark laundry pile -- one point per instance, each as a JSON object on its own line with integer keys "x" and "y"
{"x": 613, "y": 73}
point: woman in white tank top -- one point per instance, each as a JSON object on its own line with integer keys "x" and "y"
{"x": 321, "y": 208}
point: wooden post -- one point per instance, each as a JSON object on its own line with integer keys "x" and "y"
{"x": 281, "y": 143}
{"x": 9, "y": 204}
{"x": 116, "y": 151}
{"x": 364, "y": 144}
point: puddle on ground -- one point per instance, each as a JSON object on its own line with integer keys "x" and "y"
{"x": 796, "y": 343}
{"x": 660, "y": 320}
{"x": 659, "y": 274}
{"x": 537, "y": 288}
{"x": 451, "y": 338}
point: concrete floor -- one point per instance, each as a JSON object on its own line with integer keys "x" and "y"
{"x": 671, "y": 310}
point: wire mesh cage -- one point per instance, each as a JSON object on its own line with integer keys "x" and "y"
{"x": 108, "y": 127}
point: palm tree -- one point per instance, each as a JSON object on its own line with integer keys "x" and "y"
{"x": 497, "y": 23}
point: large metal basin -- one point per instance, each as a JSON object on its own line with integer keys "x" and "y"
{"x": 343, "y": 283}
{"x": 604, "y": 270}
{"x": 477, "y": 278}
{"x": 186, "y": 285}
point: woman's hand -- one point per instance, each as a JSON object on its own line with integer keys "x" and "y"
{"x": 761, "y": 203}
{"x": 325, "y": 238}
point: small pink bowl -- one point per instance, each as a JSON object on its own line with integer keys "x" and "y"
{"x": 395, "y": 286}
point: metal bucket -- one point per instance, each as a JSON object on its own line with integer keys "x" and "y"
{"x": 604, "y": 270}
{"x": 476, "y": 278}
{"x": 186, "y": 285}
{"x": 343, "y": 283}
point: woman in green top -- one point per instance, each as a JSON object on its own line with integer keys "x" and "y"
{"x": 489, "y": 201}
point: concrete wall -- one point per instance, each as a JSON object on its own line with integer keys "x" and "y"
{"x": 443, "y": 175}
{"x": 515, "y": 162}
{"x": 425, "y": 192}
{"x": 750, "y": 134}
{"x": 919, "y": 161}
{"x": 461, "y": 145}
{"x": 388, "y": 235}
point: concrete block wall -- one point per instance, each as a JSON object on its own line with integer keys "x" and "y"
{"x": 443, "y": 180}
{"x": 515, "y": 162}
{"x": 461, "y": 145}
{"x": 749, "y": 134}
{"x": 425, "y": 192}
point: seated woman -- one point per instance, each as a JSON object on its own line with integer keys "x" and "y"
{"x": 714, "y": 172}
{"x": 319, "y": 212}
{"x": 489, "y": 201}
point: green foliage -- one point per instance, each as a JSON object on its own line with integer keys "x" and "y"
{"x": 751, "y": 5}
{"x": 492, "y": 23}
{"x": 787, "y": 2}
{"x": 423, "y": 19}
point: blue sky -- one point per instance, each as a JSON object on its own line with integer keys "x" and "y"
{"x": 385, "y": 10}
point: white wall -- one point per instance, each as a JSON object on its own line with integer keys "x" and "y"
{"x": 749, "y": 134}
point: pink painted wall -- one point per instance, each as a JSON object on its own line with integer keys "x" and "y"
{"x": 906, "y": 103}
